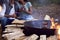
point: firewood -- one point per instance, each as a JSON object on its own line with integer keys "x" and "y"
{"x": 13, "y": 35}
{"x": 22, "y": 38}
{"x": 52, "y": 38}
{"x": 18, "y": 21}
{"x": 42, "y": 37}
{"x": 32, "y": 37}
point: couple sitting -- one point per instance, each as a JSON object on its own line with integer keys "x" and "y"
{"x": 7, "y": 13}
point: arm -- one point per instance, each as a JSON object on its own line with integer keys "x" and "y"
{"x": 29, "y": 10}
{"x": 13, "y": 16}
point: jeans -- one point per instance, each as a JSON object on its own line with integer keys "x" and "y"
{"x": 9, "y": 21}
{"x": 25, "y": 17}
{"x": 5, "y": 21}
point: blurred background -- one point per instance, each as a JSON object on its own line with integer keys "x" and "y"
{"x": 43, "y": 7}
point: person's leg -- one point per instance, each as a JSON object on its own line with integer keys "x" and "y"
{"x": 9, "y": 21}
{"x": 29, "y": 17}
{"x": 3, "y": 23}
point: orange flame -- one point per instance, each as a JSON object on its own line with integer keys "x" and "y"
{"x": 58, "y": 34}
{"x": 58, "y": 31}
{"x": 55, "y": 26}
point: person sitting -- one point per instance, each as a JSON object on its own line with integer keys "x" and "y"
{"x": 25, "y": 10}
{"x": 11, "y": 14}
{"x": 2, "y": 14}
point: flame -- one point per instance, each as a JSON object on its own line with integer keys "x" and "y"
{"x": 58, "y": 34}
{"x": 59, "y": 31}
{"x": 57, "y": 27}
{"x": 53, "y": 24}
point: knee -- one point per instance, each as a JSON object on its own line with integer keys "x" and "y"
{"x": 4, "y": 18}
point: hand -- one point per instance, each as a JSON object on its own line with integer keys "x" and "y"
{"x": 22, "y": 9}
{"x": 13, "y": 16}
{"x": 6, "y": 15}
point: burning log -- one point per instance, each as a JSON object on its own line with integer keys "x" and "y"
{"x": 39, "y": 27}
